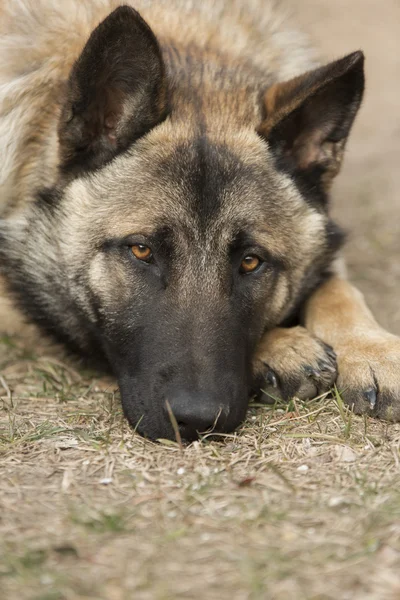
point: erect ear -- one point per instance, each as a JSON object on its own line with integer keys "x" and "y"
{"x": 309, "y": 118}
{"x": 116, "y": 92}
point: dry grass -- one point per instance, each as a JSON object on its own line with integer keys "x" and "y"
{"x": 302, "y": 503}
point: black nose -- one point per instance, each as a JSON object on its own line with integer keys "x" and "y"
{"x": 196, "y": 413}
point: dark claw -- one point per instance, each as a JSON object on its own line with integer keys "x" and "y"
{"x": 330, "y": 352}
{"x": 370, "y": 396}
{"x": 311, "y": 372}
{"x": 271, "y": 379}
{"x": 327, "y": 366}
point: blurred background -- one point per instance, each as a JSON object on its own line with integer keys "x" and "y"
{"x": 367, "y": 192}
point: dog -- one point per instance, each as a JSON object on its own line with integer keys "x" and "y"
{"x": 165, "y": 206}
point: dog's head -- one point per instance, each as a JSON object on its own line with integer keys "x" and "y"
{"x": 190, "y": 221}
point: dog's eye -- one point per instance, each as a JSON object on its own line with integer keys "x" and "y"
{"x": 142, "y": 252}
{"x": 249, "y": 264}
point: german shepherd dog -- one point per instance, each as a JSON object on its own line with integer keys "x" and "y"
{"x": 164, "y": 206}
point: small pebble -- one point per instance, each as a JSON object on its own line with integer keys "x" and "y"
{"x": 181, "y": 471}
{"x": 302, "y": 469}
{"x": 337, "y": 502}
{"x": 344, "y": 454}
{"x": 106, "y": 480}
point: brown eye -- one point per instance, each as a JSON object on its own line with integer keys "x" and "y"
{"x": 249, "y": 264}
{"x": 142, "y": 252}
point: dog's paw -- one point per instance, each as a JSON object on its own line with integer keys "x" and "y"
{"x": 291, "y": 362}
{"x": 369, "y": 374}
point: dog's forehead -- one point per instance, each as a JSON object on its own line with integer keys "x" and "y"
{"x": 212, "y": 185}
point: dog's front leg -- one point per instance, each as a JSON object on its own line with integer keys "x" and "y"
{"x": 368, "y": 357}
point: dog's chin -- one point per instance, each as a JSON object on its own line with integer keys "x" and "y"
{"x": 146, "y": 423}
{"x": 154, "y": 425}
{"x": 155, "y": 428}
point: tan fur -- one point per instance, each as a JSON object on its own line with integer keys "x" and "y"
{"x": 250, "y": 43}
{"x": 293, "y": 354}
{"x": 39, "y": 44}
{"x": 368, "y": 356}
{"x": 159, "y": 199}
{"x": 39, "y": 41}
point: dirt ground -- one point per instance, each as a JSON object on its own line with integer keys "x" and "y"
{"x": 303, "y": 503}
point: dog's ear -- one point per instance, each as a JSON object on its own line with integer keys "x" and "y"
{"x": 309, "y": 118}
{"x": 116, "y": 92}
